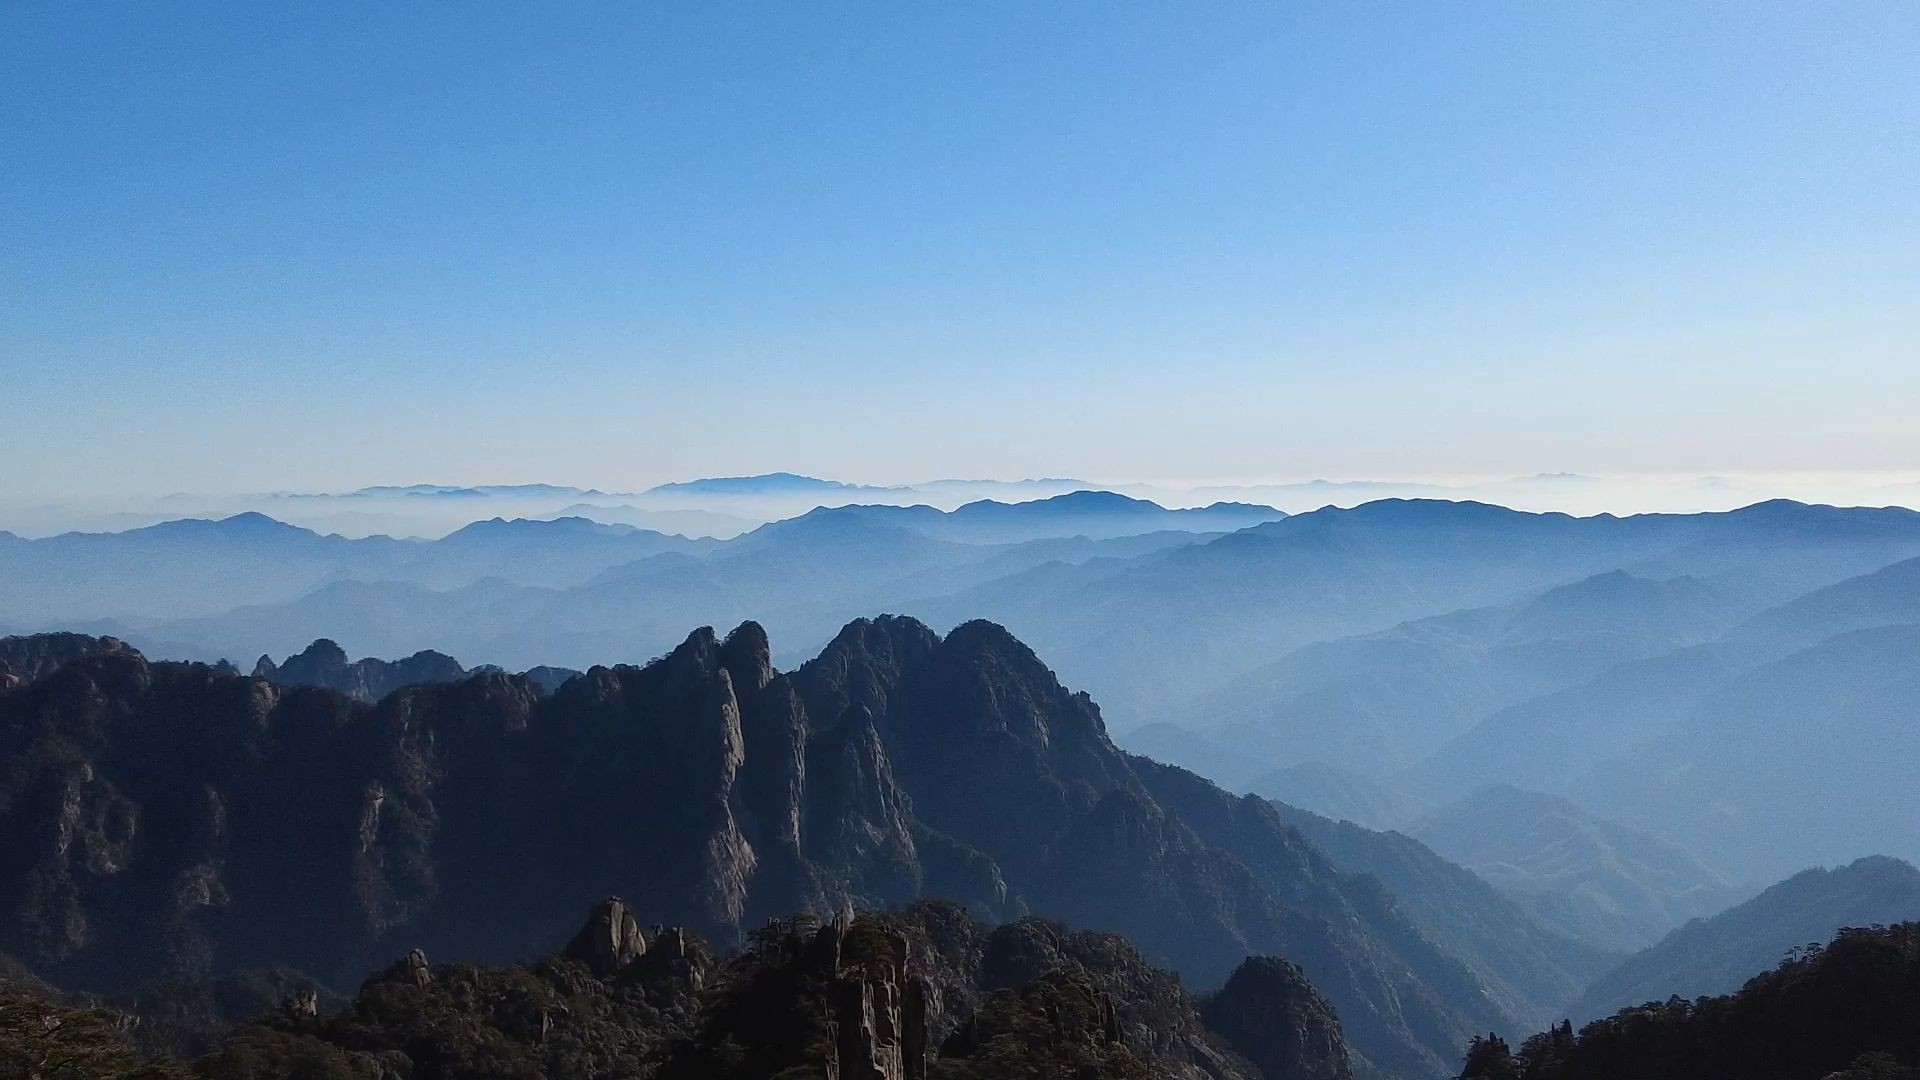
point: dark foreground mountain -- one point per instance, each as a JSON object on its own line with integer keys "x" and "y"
{"x": 925, "y": 992}
{"x": 163, "y": 821}
{"x": 1845, "y": 1011}
{"x": 1713, "y": 956}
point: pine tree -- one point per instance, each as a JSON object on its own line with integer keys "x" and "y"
{"x": 1489, "y": 1058}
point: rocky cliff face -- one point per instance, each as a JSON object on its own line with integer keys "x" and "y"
{"x": 162, "y": 818}
{"x": 610, "y": 940}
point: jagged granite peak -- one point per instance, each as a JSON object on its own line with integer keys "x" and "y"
{"x": 864, "y": 661}
{"x": 1270, "y": 1014}
{"x": 459, "y": 817}
{"x": 610, "y": 940}
{"x": 748, "y": 657}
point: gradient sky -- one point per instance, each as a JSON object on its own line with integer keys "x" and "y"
{"x": 244, "y": 247}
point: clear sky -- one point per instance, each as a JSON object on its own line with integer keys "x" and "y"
{"x": 257, "y": 246}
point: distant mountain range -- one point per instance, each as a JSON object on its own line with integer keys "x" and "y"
{"x": 721, "y": 507}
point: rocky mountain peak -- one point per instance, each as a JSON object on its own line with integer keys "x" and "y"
{"x": 748, "y": 657}
{"x": 324, "y": 653}
{"x": 1272, "y": 1016}
{"x": 610, "y": 940}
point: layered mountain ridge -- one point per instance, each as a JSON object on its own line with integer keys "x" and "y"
{"x": 1615, "y": 885}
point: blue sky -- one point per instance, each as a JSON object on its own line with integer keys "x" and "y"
{"x": 245, "y": 248}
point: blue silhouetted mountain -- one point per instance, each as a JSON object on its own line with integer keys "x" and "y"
{"x": 199, "y": 567}
{"x": 682, "y": 522}
{"x": 1752, "y": 749}
{"x": 1531, "y": 967}
{"x": 779, "y": 483}
{"x": 1158, "y": 635}
{"x": 1340, "y": 794}
{"x": 1097, "y": 515}
{"x": 1329, "y": 699}
{"x": 1598, "y": 880}
{"x": 1889, "y": 596}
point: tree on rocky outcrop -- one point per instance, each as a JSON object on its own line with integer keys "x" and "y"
{"x": 1850, "y": 1011}
{"x": 1489, "y": 1058}
{"x": 43, "y": 1040}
